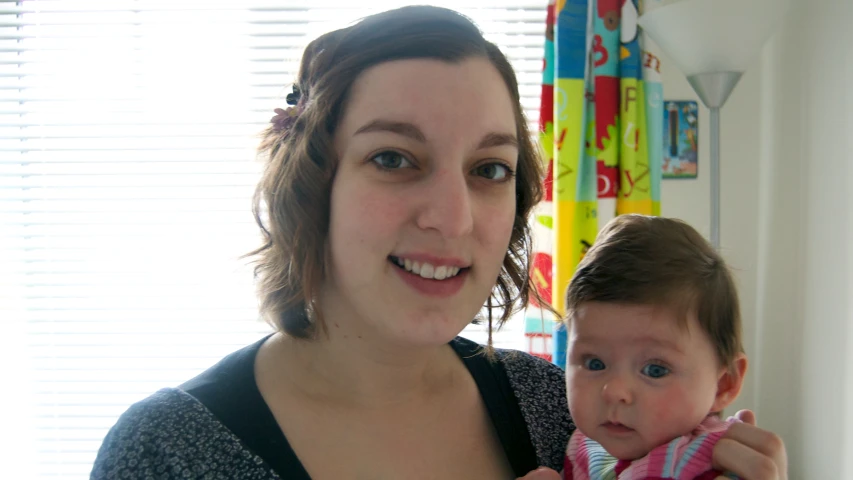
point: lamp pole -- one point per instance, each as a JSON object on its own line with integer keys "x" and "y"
{"x": 714, "y": 89}
{"x": 715, "y": 177}
{"x": 713, "y": 42}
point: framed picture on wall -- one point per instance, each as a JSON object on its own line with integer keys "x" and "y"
{"x": 681, "y": 139}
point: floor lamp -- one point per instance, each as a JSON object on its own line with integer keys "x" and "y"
{"x": 712, "y": 43}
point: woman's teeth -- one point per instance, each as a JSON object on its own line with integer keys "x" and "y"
{"x": 427, "y": 270}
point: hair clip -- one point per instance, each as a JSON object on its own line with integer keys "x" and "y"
{"x": 285, "y": 118}
{"x": 293, "y": 98}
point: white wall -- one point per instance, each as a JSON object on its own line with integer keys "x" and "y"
{"x": 787, "y": 229}
{"x": 689, "y": 200}
{"x": 848, "y": 447}
{"x": 828, "y": 282}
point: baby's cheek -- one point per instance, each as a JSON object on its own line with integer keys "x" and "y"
{"x": 665, "y": 407}
{"x": 582, "y": 401}
{"x": 673, "y": 413}
{"x": 571, "y": 389}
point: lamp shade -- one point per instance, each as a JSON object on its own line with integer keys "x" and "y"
{"x": 711, "y": 36}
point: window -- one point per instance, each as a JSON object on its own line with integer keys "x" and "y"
{"x": 127, "y": 137}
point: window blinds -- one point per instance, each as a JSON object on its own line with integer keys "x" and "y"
{"x": 127, "y": 137}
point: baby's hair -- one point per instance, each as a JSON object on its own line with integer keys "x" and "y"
{"x": 644, "y": 260}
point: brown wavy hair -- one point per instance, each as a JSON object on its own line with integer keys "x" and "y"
{"x": 291, "y": 203}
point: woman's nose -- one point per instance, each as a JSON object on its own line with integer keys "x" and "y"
{"x": 447, "y": 205}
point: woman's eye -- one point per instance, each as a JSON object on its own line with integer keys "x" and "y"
{"x": 493, "y": 171}
{"x": 390, "y": 160}
{"x": 593, "y": 364}
{"x": 655, "y": 371}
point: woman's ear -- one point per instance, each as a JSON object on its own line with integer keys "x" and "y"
{"x": 729, "y": 383}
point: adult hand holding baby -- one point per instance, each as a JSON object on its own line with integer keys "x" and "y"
{"x": 750, "y": 452}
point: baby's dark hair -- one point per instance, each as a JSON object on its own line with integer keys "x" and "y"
{"x": 644, "y": 260}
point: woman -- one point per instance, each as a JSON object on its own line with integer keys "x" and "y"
{"x": 394, "y": 205}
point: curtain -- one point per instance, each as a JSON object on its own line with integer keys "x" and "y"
{"x": 601, "y": 133}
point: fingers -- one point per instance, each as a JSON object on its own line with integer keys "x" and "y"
{"x": 542, "y": 473}
{"x": 743, "y": 461}
{"x": 746, "y": 416}
{"x": 751, "y": 453}
{"x": 766, "y": 443}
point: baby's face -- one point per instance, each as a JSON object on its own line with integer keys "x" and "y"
{"x": 636, "y": 378}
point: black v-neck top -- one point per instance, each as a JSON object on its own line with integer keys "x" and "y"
{"x": 217, "y": 425}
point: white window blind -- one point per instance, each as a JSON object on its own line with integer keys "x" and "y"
{"x": 127, "y": 165}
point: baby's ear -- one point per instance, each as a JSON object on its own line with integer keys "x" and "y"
{"x": 729, "y": 383}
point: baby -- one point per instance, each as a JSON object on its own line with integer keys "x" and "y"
{"x": 654, "y": 353}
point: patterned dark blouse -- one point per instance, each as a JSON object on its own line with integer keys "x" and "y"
{"x": 217, "y": 426}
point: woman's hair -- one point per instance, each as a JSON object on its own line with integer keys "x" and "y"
{"x": 664, "y": 262}
{"x": 291, "y": 203}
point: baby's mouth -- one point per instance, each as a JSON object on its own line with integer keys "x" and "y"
{"x": 616, "y": 427}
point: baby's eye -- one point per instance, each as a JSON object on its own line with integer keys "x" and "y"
{"x": 593, "y": 364}
{"x": 655, "y": 371}
{"x": 390, "y": 160}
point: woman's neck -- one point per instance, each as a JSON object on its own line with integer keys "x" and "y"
{"x": 351, "y": 370}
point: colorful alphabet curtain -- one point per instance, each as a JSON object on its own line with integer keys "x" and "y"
{"x": 601, "y": 123}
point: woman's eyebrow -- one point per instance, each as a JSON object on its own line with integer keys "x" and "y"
{"x": 401, "y": 128}
{"x": 497, "y": 140}
{"x": 410, "y": 130}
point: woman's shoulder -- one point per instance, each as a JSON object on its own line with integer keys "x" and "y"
{"x": 539, "y": 386}
{"x": 171, "y": 434}
{"x": 540, "y": 389}
{"x": 533, "y": 379}
{"x": 526, "y": 370}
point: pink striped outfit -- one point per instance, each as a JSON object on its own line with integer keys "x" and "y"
{"x": 685, "y": 458}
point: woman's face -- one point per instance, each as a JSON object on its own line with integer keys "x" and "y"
{"x": 423, "y": 201}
